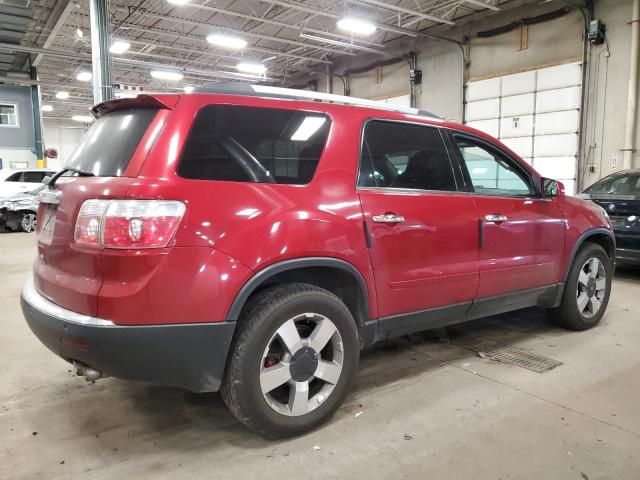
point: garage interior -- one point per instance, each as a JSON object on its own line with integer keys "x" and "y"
{"x": 554, "y": 80}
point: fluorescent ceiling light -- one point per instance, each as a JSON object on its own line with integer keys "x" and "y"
{"x": 307, "y": 128}
{"x": 82, "y": 118}
{"x": 169, "y": 75}
{"x": 47, "y": 108}
{"x": 226, "y": 41}
{"x": 356, "y": 26}
{"x": 125, "y": 95}
{"x": 79, "y": 33}
{"x": 254, "y": 68}
{"x": 119, "y": 47}
{"x": 62, "y": 95}
{"x": 188, "y": 89}
{"x": 178, "y": 2}
{"x": 84, "y": 76}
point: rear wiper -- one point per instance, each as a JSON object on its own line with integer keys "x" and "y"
{"x": 50, "y": 181}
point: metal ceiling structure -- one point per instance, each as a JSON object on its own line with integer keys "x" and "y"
{"x": 288, "y": 36}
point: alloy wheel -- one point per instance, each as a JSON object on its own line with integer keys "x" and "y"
{"x": 28, "y": 222}
{"x": 301, "y": 364}
{"x": 591, "y": 288}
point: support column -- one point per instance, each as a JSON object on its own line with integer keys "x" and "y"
{"x": 37, "y": 118}
{"x": 100, "y": 56}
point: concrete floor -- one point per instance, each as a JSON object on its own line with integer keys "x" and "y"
{"x": 429, "y": 409}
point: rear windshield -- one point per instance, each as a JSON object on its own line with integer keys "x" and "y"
{"x": 248, "y": 144}
{"x": 621, "y": 184}
{"x": 106, "y": 149}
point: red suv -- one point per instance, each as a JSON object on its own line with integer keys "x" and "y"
{"x": 247, "y": 240}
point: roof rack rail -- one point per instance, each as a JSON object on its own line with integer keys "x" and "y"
{"x": 237, "y": 88}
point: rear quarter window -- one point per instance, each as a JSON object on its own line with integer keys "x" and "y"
{"x": 252, "y": 144}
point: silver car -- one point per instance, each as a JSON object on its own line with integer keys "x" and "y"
{"x": 18, "y": 212}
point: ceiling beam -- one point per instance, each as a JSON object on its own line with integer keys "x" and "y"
{"x": 66, "y": 6}
{"x": 478, "y": 3}
{"x": 408, "y": 11}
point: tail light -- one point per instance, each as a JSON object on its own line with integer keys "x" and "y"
{"x": 128, "y": 223}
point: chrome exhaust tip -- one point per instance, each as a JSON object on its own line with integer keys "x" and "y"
{"x": 89, "y": 374}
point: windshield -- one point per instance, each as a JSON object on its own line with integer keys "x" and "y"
{"x": 619, "y": 184}
{"x": 106, "y": 149}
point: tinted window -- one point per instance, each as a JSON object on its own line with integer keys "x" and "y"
{"x": 619, "y": 184}
{"x": 249, "y": 144}
{"x": 106, "y": 149}
{"x": 33, "y": 177}
{"x": 491, "y": 172}
{"x": 400, "y": 155}
{"x": 16, "y": 177}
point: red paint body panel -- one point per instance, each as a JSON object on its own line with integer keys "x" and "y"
{"x": 525, "y": 251}
{"x": 431, "y": 259}
{"x": 231, "y": 230}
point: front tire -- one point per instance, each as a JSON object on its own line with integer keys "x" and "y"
{"x": 292, "y": 362}
{"x": 586, "y": 293}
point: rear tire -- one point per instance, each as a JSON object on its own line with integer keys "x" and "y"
{"x": 586, "y": 293}
{"x": 292, "y": 362}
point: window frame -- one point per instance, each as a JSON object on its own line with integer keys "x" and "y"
{"x": 496, "y": 150}
{"x": 456, "y": 178}
{"x": 15, "y": 110}
{"x": 204, "y": 106}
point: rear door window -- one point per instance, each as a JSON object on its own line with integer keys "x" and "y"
{"x": 403, "y": 155}
{"x": 252, "y": 144}
{"x": 106, "y": 149}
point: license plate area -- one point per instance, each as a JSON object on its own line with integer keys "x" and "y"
{"x": 46, "y": 226}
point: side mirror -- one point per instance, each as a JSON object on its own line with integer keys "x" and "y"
{"x": 552, "y": 188}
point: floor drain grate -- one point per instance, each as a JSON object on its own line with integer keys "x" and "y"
{"x": 521, "y": 358}
{"x": 514, "y": 356}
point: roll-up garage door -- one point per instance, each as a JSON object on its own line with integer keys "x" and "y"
{"x": 536, "y": 114}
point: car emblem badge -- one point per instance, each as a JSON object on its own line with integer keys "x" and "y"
{"x": 611, "y": 207}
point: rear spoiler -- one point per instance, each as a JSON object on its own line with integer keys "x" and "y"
{"x": 141, "y": 101}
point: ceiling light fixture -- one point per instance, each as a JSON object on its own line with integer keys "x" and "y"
{"x": 119, "y": 47}
{"x": 169, "y": 75}
{"x": 62, "y": 95}
{"x": 339, "y": 43}
{"x": 84, "y": 76}
{"x": 47, "y": 108}
{"x": 79, "y": 33}
{"x": 253, "y": 68}
{"x": 188, "y": 89}
{"x": 178, "y": 2}
{"x": 82, "y": 118}
{"x": 226, "y": 41}
{"x": 356, "y": 26}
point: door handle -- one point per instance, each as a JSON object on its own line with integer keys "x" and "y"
{"x": 390, "y": 218}
{"x": 495, "y": 218}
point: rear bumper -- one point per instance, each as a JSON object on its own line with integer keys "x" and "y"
{"x": 627, "y": 255}
{"x": 190, "y": 356}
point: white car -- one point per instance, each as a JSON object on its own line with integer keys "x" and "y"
{"x": 14, "y": 181}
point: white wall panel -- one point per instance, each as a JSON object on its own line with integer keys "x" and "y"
{"x": 519, "y": 83}
{"x": 521, "y": 126}
{"x": 557, "y": 122}
{"x": 565, "y": 145}
{"x": 555, "y": 100}
{"x": 483, "y": 89}
{"x": 483, "y": 110}
{"x": 560, "y": 76}
{"x": 490, "y": 127}
{"x": 560, "y": 168}
{"x": 518, "y": 105}
{"x": 523, "y": 146}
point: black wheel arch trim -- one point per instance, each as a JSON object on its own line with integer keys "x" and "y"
{"x": 294, "y": 264}
{"x": 583, "y": 238}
